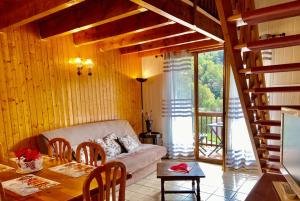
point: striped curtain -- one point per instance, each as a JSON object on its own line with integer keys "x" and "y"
{"x": 177, "y": 105}
{"x": 239, "y": 149}
{"x": 267, "y": 56}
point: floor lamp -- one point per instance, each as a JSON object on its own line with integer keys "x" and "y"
{"x": 141, "y": 80}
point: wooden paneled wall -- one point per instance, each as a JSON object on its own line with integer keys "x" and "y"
{"x": 40, "y": 90}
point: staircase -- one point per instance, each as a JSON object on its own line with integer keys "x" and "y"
{"x": 239, "y": 20}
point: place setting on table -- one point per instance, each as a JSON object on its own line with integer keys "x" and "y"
{"x": 27, "y": 175}
{"x": 73, "y": 169}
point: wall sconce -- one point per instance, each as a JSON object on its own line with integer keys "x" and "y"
{"x": 79, "y": 63}
{"x": 89, "y": 64}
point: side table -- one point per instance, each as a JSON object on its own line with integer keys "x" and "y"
{"x": 150, "y": 135}
{"x": 194, "y": 175}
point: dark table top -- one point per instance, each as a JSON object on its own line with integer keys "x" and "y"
{"x": 150, "y": 135}
{"x": 264, "y": 189}
{"x": 163, "y": 172}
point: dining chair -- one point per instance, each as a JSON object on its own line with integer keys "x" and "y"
{"x": 88, "y": 152}
{"x": 107, "y": 176}
{"x": 60, "y": 149}
{"x": 2, "y": 195}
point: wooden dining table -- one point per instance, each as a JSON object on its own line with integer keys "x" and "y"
{"x": 70, "y": 188}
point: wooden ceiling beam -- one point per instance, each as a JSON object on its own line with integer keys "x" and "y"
{"x": 187, "y": 47}
{"x": 183, "y": 13}
{"x": 169, "y": 42}
{"x": 160, "y": 33}
{"x": 207, "y": 49}
{"x": 133, "y": 24}
{"x": 16, "y": 13}
{"x": 86, "y": 15}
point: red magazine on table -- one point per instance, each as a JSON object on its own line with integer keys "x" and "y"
{"x": 182, "y": 168}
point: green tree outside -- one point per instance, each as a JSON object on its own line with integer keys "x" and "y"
{"x": 211, "y": 81}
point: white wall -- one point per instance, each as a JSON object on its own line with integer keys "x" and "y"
{"x": 152, "y": 68}
{"x": 289, "y": 26}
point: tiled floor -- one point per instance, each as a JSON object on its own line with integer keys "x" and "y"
{"x": 209, "y": 150}
{"x": 217, "y": 186}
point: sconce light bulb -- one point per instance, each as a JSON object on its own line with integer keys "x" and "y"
{"x": 81, "y": 64}
{"x": 78, "y": 61}
{"x": 89, "y": 63}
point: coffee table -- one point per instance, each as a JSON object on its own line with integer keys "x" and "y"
{"x": 165, "y": 175}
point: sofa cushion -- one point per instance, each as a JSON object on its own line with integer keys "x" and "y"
{"x": 101, "y": 142}
{"x": 122, "y": 146}
{"x": 112, "y": 148}
{"x": 142, "y": 156}
{"x": 129, "y": 143}
{"x": 85, "y": 132}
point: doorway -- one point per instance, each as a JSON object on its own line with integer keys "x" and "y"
{"x": 209, "y": 94}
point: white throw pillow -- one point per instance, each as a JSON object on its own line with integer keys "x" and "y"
{"x": 101, "y": 142}
{"x": 112, "y": 148}
{"x": 129, "y": 143}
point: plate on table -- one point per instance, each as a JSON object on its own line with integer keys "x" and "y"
{"x": 20, "y": 171}
{"x": 4, "y": 168}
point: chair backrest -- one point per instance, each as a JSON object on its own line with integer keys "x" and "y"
{"x": 60, "y": 149}
{"x": 91, "y": 151}
{"x": 108, "y": 177}
{"x": 2, "y": 195}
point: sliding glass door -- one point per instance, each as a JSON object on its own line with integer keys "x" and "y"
{"x": 193, "y": 130}
{"x": 210, "y": 105}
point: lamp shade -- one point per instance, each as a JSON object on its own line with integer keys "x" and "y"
{"x": 139, "y": 79}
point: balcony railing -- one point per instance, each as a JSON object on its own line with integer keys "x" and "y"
{"x": 210, "y": 133}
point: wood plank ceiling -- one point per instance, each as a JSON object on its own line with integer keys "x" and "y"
{"x": 145, "y": 27}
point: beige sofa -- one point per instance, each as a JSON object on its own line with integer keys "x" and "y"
{"x": 140, "y": 163}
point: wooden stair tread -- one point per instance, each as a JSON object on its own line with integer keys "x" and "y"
{"x": 271, "y": 167}
{"x": 265, "y": 14}
{"x": 272, "y": 107}
{"x": 270, "y": 43}
{"x": 267, "y": 122}
{"x": 268, "y": 136}
{"x": 273, "y": 158}
{"x": 271, "y": 69}
{"x": 272, "y": 148}
{"x": 273, "y": 89}
{"x": 232, "y": 35}
{"x": 269, "y": 148}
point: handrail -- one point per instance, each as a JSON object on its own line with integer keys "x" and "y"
{"x": 211, "y": 114}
